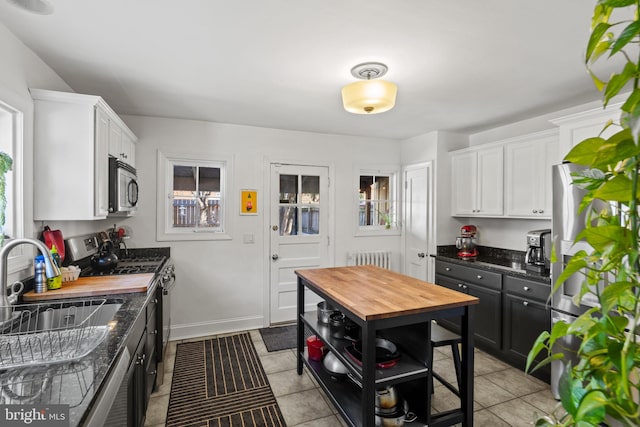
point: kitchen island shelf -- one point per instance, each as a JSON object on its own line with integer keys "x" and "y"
{"x": 395, "y": 307}
{"x": 345, "y": 395}
{"x": 407, "y": 368}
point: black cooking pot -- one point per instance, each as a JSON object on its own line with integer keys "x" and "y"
{"x": 105, "y": 259}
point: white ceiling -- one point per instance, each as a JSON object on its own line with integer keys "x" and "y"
{"x": 464, "y": 65}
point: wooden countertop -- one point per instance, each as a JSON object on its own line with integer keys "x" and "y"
{"x": 372, "y": 292}
{"x": 95, "y": 286}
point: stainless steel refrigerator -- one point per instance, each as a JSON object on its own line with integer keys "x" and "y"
{"x": 566, "y": 225}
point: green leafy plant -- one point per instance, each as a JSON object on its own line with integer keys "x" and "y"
{"x": 385, "y": 217}
{"x": 604, "y": 385}
{"x": 5, "y": 166}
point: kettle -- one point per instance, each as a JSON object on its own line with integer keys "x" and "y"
{"x": 105, "y": 259}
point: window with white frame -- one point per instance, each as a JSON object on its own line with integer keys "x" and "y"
{"x": 7, "y": 136}
{"x": 11, "y": 145}
{"x": 376, "y": 197}
{"x": 194, "y": 202}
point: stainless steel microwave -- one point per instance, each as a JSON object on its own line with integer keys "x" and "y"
{"x": 123, "y": 187}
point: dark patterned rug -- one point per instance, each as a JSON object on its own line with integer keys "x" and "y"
{"x": 221, "y": 382}
{"x": 281, "y": 337}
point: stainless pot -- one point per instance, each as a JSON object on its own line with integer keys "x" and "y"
{"x": 390, "y": 420}
{"x": 324, "y": 311}
{"x": 334, "y": 367}
{"x": 386, "y": 399}
{"x": 395, "y": 418}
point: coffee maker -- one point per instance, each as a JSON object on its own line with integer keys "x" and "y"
{"x": 537, "y": 257}
{"x": 466, "y": 242}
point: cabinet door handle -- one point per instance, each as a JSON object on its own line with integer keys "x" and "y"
{"x": 421, "y": 255}
{"x": 447, "y": 269}
{"x": 535, "y": 211}
{"x": 525, "y": 303}
{"x": 479, "y": 276}
{"x": 540, "y": 211}
{"x": 153, "y": 372}
{"x": 526, "y": 288}
{"x": 460, "y": 285}
{"x": 464, "y": 286}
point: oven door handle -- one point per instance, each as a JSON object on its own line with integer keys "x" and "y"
{"x": 166, "y": 287}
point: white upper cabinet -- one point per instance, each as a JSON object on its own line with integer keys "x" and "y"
{"x": 71, "y": 155}
{"x": 121, "y": 144}
{"x": 577, "y": 127}
{"x": 477, "y": 182}
{"x": 528, "y": 163}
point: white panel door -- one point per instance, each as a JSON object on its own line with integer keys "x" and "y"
{"x": 418, "y": 210}
{"x": 299, "y": 237}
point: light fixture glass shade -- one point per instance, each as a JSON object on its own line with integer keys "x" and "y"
{"x": 369, "y": 96}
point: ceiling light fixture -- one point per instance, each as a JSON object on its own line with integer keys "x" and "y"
{"x": 41, "y": 7}
{"x": 369, "y": 96}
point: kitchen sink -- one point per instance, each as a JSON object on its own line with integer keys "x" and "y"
{"x": 58, "y": 317}
{"x": 49, "y": 333}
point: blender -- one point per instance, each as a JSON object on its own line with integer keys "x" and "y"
{"x": 466, "y": 242}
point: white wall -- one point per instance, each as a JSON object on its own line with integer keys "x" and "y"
{"x": 20, "y": 70}
{"x": 222, "y": 284}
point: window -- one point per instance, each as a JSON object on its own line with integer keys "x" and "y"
{"x": 11, "y": 143}
{"x": 194, "y": 198}
{"x": 7, "y": 136}
{"x": 376, "y": 207}
{"x": 299, "y": 207}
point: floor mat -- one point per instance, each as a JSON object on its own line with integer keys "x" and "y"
{"x": 220, "y": 381}
{"x": 281, "y": 337}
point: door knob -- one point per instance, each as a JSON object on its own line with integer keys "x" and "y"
{"x": 420, "y": 254}
{"x": 274, "y": 257}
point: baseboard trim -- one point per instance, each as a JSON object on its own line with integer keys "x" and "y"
{"x": 203, "y": 329}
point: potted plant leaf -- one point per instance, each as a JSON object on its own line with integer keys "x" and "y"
{"x": 5, "y": 166}
{"x": 602, "y": 388}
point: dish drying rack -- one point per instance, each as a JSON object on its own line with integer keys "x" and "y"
{"x": 50, "y": 333}
{"x": 65, "y": 384}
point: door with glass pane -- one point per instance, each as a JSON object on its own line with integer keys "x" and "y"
{"x": 299, "y": 216}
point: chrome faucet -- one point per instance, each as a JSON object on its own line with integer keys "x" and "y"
{"x": 51, "y": 270}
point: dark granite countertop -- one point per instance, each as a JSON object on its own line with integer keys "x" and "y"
{"x": 78, "y": 383}
{"x": 494, "y": 259}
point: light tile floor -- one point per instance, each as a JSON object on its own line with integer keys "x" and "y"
{"x": 503, "y": 396}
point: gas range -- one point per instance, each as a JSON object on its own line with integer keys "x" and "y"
{"x": 130, "y": 261}
{"x": 130, "y": 265}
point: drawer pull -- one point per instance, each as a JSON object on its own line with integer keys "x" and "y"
{"x": 525, "y": 303}
{"x": 535, "y": 211}
{"x": 460, "y": 285}
{"x": 540, "y": 211}
{"x": 526, "y": 288}
{"x": 479, "y": 276}
{"x": 447, "y": 268}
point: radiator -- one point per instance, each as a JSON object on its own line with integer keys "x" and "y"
{"x": 379, "y": 258}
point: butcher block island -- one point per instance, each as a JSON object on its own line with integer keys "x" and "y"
{"x": 95, "y": 286}
{"x": 397, "y": 308}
